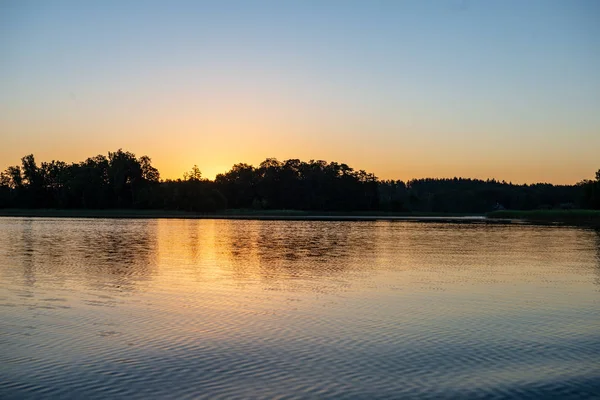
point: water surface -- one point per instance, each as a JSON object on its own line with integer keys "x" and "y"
{"x": 109, "y": 308}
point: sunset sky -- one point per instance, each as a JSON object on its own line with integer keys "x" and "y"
{"x": 405, "y": 89}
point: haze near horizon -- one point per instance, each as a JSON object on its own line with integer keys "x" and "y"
{"x": 408, "y": 89}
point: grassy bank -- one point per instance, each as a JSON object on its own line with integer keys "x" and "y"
{"x": 583, "y": 217}
{"x": 226, "y": 214}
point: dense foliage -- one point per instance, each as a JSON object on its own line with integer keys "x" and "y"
{"x": 122, "y": 180}
{"x": 119, "y": 181}
{"x": 591, "y": 193}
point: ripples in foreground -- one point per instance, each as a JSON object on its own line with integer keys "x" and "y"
{"x": 289, "y": 309}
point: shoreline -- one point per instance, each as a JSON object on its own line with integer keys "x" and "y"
{"x": 588, "y": 218}
{"x": 269, "y": 215}
{"x": 581, "y": 217}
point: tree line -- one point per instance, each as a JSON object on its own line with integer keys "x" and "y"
{"x": 122, "y": 180}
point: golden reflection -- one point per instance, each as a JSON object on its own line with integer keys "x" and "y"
{"x": 218, "y": 253}
{"x": 186, "y": 249}
{"x": 214, "y": 257}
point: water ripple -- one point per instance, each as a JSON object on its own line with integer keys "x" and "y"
{"x": 102, "y": 309}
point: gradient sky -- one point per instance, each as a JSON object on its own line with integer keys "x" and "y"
{"x": 489, "y": 89}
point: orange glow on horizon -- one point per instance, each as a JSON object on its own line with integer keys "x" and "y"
{"x": 214, "y": 85}
{"x": 173, "y": 165}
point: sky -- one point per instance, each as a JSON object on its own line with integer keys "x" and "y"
{"x": 404, "y": 89}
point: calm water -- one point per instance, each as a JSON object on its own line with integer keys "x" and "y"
{"x": 275, "y": 309}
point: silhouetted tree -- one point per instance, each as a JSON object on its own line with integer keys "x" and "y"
{"x": 123, "y": 181}
{"x": 238, "y": 185}
{"x": 591, "y": 192}
{"x": 193, "y": 175}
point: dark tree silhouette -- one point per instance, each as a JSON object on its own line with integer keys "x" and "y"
{"x": 591, "y": 192}
{"x": 122, "y": 180}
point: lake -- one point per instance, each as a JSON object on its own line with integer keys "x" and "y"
{"x": 155, "y": 308}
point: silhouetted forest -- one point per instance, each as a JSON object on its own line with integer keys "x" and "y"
{"x": 124, "y": 181}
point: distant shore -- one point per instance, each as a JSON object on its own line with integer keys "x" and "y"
{"x": 241, "y": 214}
{"x": 572, "y": 217}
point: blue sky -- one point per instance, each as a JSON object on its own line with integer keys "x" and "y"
{"x": 504, "y": 89}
